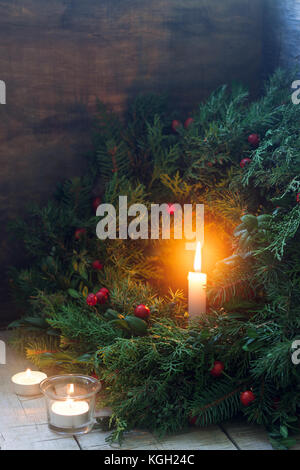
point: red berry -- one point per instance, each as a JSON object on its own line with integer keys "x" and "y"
{"x": 91, "y": 300}
{"x": 101, "y": 297}
{"x": 254, "y": 140}
{"x": 104, "y": 290}
{"x": 79, "y": 232}
{"x": 97, "y": 265}
{"x": 95, "y": 376}
{"x": 96, "y": 202}
{"x": 247, "y": 397}
{"x": 217, "y": 369}
{"x": 188, "y": 122}
{"x": 141, "y": 311}
{"x": 176, "y": 125}
{"x": 244, "y": 162}
{"x": 298, "y": 197}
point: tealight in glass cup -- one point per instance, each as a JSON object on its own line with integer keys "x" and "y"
{"x": 70, "y": 401}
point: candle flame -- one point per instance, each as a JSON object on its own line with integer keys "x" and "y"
{"x": 70, "y": 389}
{"x": 28, "y": 372}
{"x": 197, "y": 261}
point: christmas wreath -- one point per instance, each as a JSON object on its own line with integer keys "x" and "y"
{"x": 105, "y": 307}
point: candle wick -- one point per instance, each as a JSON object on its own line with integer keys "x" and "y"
{"x": 69, "y": 402}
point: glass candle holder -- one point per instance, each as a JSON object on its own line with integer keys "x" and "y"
{"x": 70, "y": 401}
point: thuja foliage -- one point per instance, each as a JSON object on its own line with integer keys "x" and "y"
{"x": 158, "y": 375}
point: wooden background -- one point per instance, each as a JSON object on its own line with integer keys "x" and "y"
{"x": 57, "y": 57}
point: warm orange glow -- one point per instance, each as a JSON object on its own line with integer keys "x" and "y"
{"x": 70, "y": 389}
{"x": 197, "y": 261}
{"x": 28, "y": 372}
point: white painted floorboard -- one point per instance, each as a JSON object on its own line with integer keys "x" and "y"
{"x": 23, "y": 426}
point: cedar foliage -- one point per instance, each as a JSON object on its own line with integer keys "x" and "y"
{"x": 160, "y": 378}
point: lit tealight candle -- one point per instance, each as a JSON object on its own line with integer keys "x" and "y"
{"x": 28, "y": 383}
{"x": 197, "y": 287}
{"x": 69, "y": 413}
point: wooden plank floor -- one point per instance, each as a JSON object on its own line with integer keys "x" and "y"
{"x": 23, "y": 426}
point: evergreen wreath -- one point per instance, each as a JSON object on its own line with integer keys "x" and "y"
{"x": 240, "y": 158}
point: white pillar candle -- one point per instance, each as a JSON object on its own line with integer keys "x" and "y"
{"x": 69, "y": 413}
{"x": 197, "y": 288}
{"x": 28, "y": 383}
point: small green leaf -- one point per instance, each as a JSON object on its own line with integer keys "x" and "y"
{"x": 52, "y": 332}
{"x": 252, "y": 333}
{"x": 251, "y": 345}
{"x": 15, "y": 324}
{"x": 250, "y": 222}
{"x": 238, "y": 231}
{"x": 36, "y": 321}
{"x": 264, "y": 220}
{"x": 138, "y": 326}
{"x": 82, "y": 271}
{"x": 84, "y": 358}
{"x": 284, "y": 431}
{"x": 73, "y": 293}
{"x": 121, "y": 324}
{"x": 111, "y": 314}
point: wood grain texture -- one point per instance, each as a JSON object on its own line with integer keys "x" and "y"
{"x": 246, "y": 436}
{"x": 35, "y": 437}
{"x": 210, "y": 438}
{"x": 134, "y": 440}
{"x": 58, "y": 57}
{"x": 282, "y": 33}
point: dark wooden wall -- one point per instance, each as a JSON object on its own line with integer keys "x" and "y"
{"x": 58, "y": 56}
{"x": 281, "y": 36}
